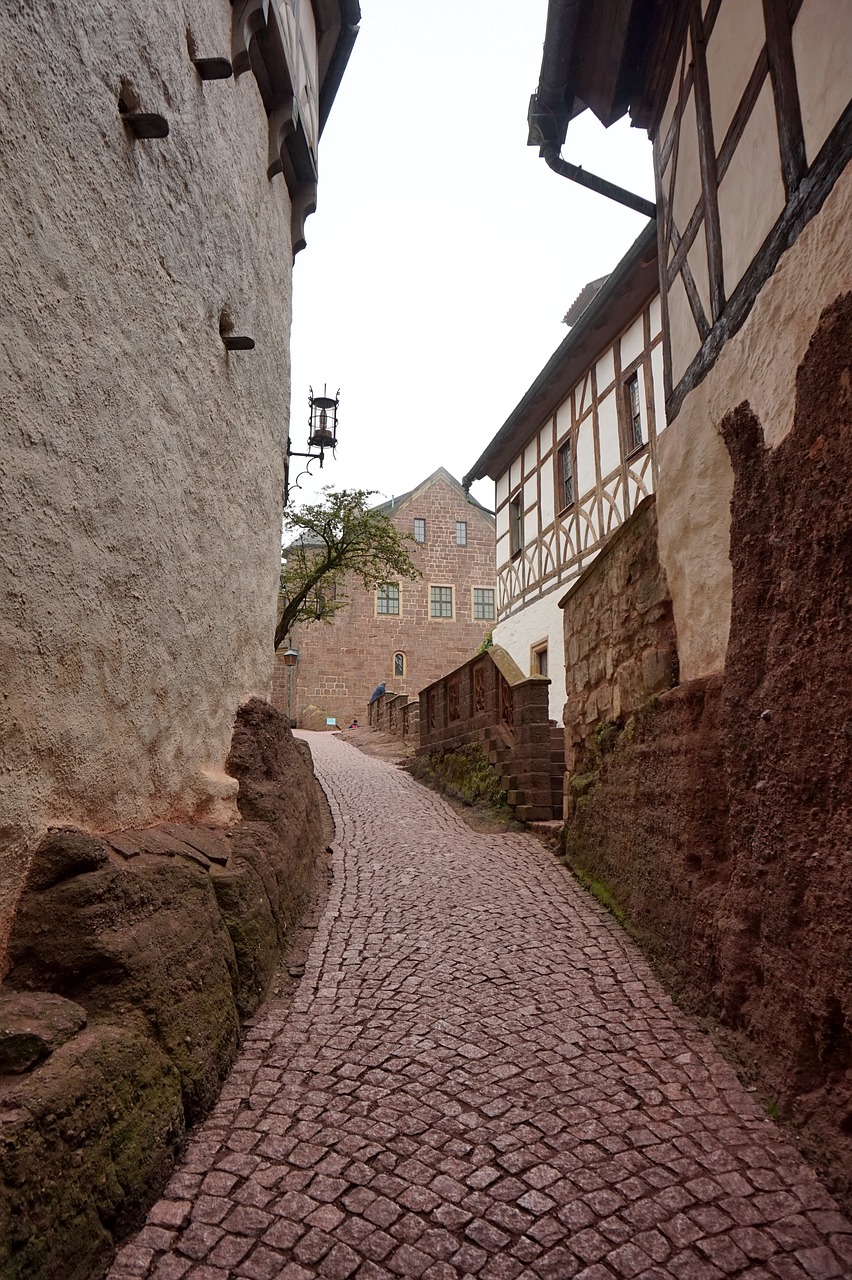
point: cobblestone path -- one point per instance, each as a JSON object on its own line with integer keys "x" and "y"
{"x": 480, "y": 1077}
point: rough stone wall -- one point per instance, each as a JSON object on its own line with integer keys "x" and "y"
{"x": 490, "y": 701}
{"x": 620, "y": 643}
{"x": 786, "y": 952}
{"x": 718, "y": 821}
{"x": 141, "y": 471}
{"x": 340, "y": 663}
{"x": 133, "y": 957}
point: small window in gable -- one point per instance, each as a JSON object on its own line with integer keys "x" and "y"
{"x": 419, "y": 530}
{"x": 461, "y": 533}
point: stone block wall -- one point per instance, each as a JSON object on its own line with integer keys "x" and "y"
{"x": 340, "y": 663}
{"x": 489, "y": 701}
{"x": 620, "y": 642}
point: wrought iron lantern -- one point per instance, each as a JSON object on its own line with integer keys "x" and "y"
{"x": 322, "y": 434}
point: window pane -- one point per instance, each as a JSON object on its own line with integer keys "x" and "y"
{"x": 399, "y": 664}
{"x": 419, "y": 530}
{"x": 634, "y": 413}
{"x": 516, "y": 538}
{"x": 483, "y": 604}
{"x": 387, "y": 598}
{"x": 566, "y": 475}
{"x": 442, "y": 602}
{"x": 461, "y": 533}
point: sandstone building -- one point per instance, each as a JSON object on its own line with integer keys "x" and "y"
{"x": 404, "y": 634}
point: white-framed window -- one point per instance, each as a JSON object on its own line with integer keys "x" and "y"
{"x": 419, "y": 530}
{"x": 387, "y": 598}
{"x": 483, "y": 604}
{"x": 441, "y": 602}
{"x": 461, "y": 533}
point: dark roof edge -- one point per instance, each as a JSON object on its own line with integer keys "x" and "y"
{"x": 350, "y": 16}
{"x": 596, "y": 309}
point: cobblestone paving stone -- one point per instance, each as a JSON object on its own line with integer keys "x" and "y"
{"x": 480, "y": 1077}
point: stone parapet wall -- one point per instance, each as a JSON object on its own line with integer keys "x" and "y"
{"x": 620, "y": 642}
{"x": 489, "y": 701}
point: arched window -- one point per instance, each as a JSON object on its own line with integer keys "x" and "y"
{"x": 399, "y": 664}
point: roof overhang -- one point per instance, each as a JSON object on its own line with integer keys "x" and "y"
{"x": 611, "y": 56}
{"x": 627, "y": 290}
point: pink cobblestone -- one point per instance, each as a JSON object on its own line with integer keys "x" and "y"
{"x": 480, "y": 1076}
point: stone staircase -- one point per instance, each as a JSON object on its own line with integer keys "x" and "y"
{"x": 500, "y": 757}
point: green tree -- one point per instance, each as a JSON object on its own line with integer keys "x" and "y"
{"x": 327, "y": 540}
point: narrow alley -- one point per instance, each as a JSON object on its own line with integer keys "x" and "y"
{"x": 480, "y": 1077}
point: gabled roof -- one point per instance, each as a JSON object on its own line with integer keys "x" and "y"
{"x": 627, "y": 289}
{"x": 393, "y": 504}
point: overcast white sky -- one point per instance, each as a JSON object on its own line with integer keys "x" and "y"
{"x": 444, "y": 252}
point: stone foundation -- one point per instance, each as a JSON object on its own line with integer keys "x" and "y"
{"x": 160, "y": 940}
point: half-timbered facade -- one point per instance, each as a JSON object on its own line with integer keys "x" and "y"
{"x": 574, "y": 459}
{"x": 747, "y": 103}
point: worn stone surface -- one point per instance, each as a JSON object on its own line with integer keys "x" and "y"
{"x": 163, "y": 949}
{"x": 32, "y": 1025}
{"x": 719, "y": 822}
{"x": 481, "y": 1077}
{"x": 620, "y": 645}
{"x": 786, "y": 944}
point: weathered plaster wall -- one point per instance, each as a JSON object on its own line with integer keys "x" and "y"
{"x": 141, "y": 471}
{"x": 758, "y": 364}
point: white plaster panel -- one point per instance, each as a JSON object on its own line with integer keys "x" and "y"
{"x": 751, "y": 194}
{"x": 670, "y": 107}
{"x": 545, "y": 437}
{"x": 531, "y": 527}
{"x": 515, "y": 474}
{"x": 586, "y": 477}
{"x": 633, "y": 342}
{"x": 683, "y": 334}
{"x": 530, "y": 498}
{"x": 687, "y": 187}
{"x": 501, "y": 519}
{"x": 531, "y": 455}
{"x": 501, "y": 488}
{"x": 759, "y": 364}
{"x": 585, "y": 394}
{"x": 738, "y": 35}
{"x": 699, "y": 266}
{"x": 610, "y": 448}
{"x": 146, "y": 470}
{"x": 539, "y": 619}
{"x": 605, "y": 370}
{"x": 655, "y": 316}
{"x": 502, "y": 557}
{"x": 822, "y": 50}
{"x": 563, "y": 419}
{"x": 546, "y": 500}
{"x": 659, "y": 388}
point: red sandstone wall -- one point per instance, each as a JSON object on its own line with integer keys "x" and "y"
{"x": 720, "y": 819}
{"x": 340, "y": 663}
